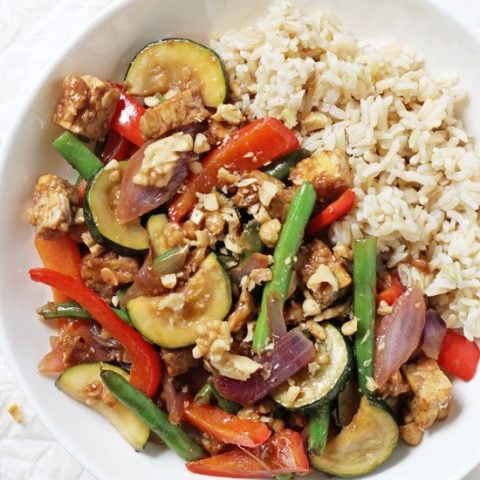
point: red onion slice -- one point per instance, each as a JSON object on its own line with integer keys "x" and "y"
{"x": 398, "y": 334}
{"x": 433, "y": 334}
{"x": 290, "y": 354}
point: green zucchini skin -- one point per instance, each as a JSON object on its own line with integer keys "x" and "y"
{"x": 171, "y": 55}
{"x": 325, "y": 384}
{"x": 363, "y": 445}
{"x": 129, "y": 239}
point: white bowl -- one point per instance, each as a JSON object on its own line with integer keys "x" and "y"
{"x": 449, "y": 450}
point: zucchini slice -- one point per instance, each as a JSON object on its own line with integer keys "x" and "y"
{"x": 170, "y": 320}
{"x": 363, "y": 445}
{"x": 177, "y": 63}
{"x": 311, "y": 390}
{"x": 156, "y": 231}
{"x": 83, "y": 383}
{"x": 99, "y": 209}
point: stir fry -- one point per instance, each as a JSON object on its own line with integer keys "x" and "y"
{"x": 199, "y": 298}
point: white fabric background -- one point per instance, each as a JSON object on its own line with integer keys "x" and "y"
{"x": 29, "y": 31}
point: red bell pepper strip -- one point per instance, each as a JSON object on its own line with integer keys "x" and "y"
{"x": 126, "y": 119}
{"x": 62, "y": 255}
{"x": 333, "y": 212}
{"x": 146, "y": 370}
{"x": 226, "y": 427}
{"x": 251, "y": 147}
{"x": 117, "y": 147}
{"x": 459, "y": 356}
{"x": 283, "y": 453}
{"x": 392, "y": 290}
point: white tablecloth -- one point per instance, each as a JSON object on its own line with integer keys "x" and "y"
{"x": 29, "y": 31}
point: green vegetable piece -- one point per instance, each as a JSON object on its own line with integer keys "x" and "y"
{"x": 154, "y": 418}
{"x": 281, "y": 168}
{"x": 72, "y": 310}
{"x": 171, "y": 261}
{"x": 284, "y": 255}
{"x": 364, "y": 307}
{"x": 251, "y": 239}
{"x": 318, "y": 423}
{"x": 77, "y": 154}
{"x": 205, "y": 394}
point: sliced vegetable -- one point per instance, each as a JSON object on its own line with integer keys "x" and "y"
{"x": 135, "y": 200}
{"x": 318, "y": 424}
{"x": 99, "y": 207}
{"x": 289, "y": 355}
{"x": 251, "y": 239}
{"x": 328, "y": 379}
{"x": 226, "y": 427}
{"x": 283, "y": 453}
{"x": 433, "y": 334}
{"x": 71, "y": 309}
{"x": 208, "y": 391}
{"x": 333, "y": 212}
{"x": 146, "y": 368}
{"x": 78, "y": 155}
{"x": 281, "y": 168}
{"x": 126, "y": 119}
{"x": 399, "y": 334}
{"x": 459, "y": 356}
{"x": 284, "y": 254}
{"x": 153, "y": 417}
{"x": 276, "y": 320}
{"x": 251, "y": 147}
{"x": 83, "y": 383}
{"x": 156, "y": 231}
{"x": 171, "y": 261}
{"x": 117, "y": 147}
{"x": 178, "y": 63}
{"x": 391, "y": 291}
{"x": 362, "y": 446}
{"x": 364, "y": 308}
{"x": 348, "y": 402}
{"x": 206, "y": 295}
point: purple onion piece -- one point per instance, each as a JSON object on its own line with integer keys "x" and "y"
{"x": 290, "y": 354}
{"x": 433, "y": 334}
{"x": 254, "y": 261}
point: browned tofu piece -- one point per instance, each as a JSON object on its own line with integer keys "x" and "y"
{"x": 55, "y": 202}
{"x": 328, "y": 171}
{"x": 432, "y": 392}
{"x": 181, "y": 110}
{"x": 86, "y": 106}
{"x": 323, "y": 273}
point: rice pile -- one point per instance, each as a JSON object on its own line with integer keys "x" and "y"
{"x": 416, "y": 171}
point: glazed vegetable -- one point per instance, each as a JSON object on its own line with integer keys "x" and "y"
{"x": 391, "y": 290}
{"x": 253, "y": 146}
{"x": 72, "y": 310}
{"x": 281, "y": 168}
{"x": 251, "y": 239}
{"x": 117, "y": 147}
{"x": 284, "y": 254}
{"x": 226, "y": 427}
{"x": 205, "y": 394}
{"x": 367, "y": 442}
{"x": 126, "y": 119}
{"x": 333, "y": 212}
{"x": 399, "y": 334}
{"x": 289, "y": 355}
{"x": 125, "y": 239}
{"x": 364, "y": 307}
{"x": 78, "y": 381}
{"x": 433, "y": 334}
{"x": 318, "y": 424}
{"x": 153, "y": 417}
{"x": 283, "y": 453}
{"x": 146, "y": 367}
{"x": 459, "y": 356}
{"x": 78, "y": 155}
{"x": 178, "y": 63}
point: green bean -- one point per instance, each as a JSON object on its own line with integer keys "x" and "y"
{"x": 318, "y": 423}
{"x": 281, "y": 168}
{"x": 284, "y": 257}
{"x": 53, "y": 310}
{"x": 77, "y": 154}
{"x": 364, "y": 307}
{"x": 205, "y": 394}
{"x": 155, "y": 418}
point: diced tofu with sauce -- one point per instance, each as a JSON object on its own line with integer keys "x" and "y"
{"x": 323, "y": 273}
{"x": 328, "y": 171}
{"x": 86, "y": 106}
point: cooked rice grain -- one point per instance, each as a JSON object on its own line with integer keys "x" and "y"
{"x": 416, "y": 171}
